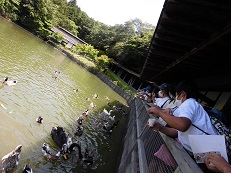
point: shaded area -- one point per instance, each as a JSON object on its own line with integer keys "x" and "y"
{"x": 192, "y": 41}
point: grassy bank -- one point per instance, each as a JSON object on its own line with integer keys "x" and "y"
{"x": 87, "y": 63}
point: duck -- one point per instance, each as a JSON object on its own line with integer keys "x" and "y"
{"x": 80, "y": 120}
{"x": 63, "y": 141}
{"x": 112, "y": 118}
{"x": 65, "y": 150}
{"x": 59, "y": 136}
{"x": 10, "y": 161}
{"x": 86, "y": 112}
{"x": 95, "y": 96}
{"x": 75, "y": 90}
{"x": 106, "y": 125}
{"x": 57, "y": 72}
{"x": 107, "y": 112}
{"x": 92, "y": 105}
{"x": 79, "y": 131}
{"x": 9, "y": 82}
{"x": 27, "y": 169}
{"x": 39, "y": 120}
{"x": 47, "y": 153}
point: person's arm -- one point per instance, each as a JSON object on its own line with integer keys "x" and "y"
{"x": 180, "y": 123}
{"x": 219, "y": 164}
{"x": 171, "y": 132}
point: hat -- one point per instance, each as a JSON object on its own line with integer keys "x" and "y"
{"x": 149, "y": 88}
{"x": 164, "y": 86}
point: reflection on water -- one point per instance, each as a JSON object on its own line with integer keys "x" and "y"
{"x": 60, "y": 98}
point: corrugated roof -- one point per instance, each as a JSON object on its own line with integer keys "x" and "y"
{"x": 192, "y": 40}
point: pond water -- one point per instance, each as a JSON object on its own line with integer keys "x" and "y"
{"x": 42, "y": 92}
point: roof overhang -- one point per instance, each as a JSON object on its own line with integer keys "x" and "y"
{"x": 192, "y": 40}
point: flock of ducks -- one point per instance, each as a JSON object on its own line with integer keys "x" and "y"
{"x": 61, "y": 138}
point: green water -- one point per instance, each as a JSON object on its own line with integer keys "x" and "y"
{"x": 32, "y": 62}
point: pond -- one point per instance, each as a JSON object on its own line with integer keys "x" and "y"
{"x": 52, "y": 86}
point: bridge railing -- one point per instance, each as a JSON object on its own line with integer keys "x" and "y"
{"x": 148, "y": 151}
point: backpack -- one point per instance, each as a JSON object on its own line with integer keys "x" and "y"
{"x": 217, "y": 114}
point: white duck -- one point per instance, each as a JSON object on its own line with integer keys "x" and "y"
{"x": 10, "y": 161}
{"x": 9, "y": 82}
{"x": 107, "y": 112}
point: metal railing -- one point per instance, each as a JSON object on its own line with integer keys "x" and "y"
{"x": 141, "y": 143}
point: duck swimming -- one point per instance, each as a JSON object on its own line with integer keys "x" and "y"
{"x": 79, "y": 131}
{"x": 39, "y": 120}
{"x": 75, "y": 90}
{"x": 107, "y": 112}
{"x": 27, "y": 169}
{"x": 95, "y": 96}
{"x": 10, "y": 161}
{"x": 59, "y": 136}
{"x": 86, "y": 112}
{"x": 64, "y": 141}
{"x": 9, "y": 82}
{"x": 47, "y": 153}
{"x": 80, "y": 120}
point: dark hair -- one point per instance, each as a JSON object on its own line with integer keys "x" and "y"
{"x": 189, "y": 87}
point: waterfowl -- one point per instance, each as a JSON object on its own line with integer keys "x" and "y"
{"x": 9, "y": 82}
{"x": 10, "y": 161}
{"x": 95, "y": 96}
{"x": 80, "y": 120}
{"x": 39, "y": 120}
{"x": 75, "y": 90}
{"x": 47, "y": 153}
{"x": 107, "y": 112}
{"x": 106, "y": 125}
{"x": 65, "y": 150}
{"x": 72, "y": 147}
{"x": 27, "y": 169}
{"x": 79, "y": 131}
{"x": 88, "y": 99}
{"x": 86, "y": 112}
{"x": 112, "y": 118}
{"x": 92, "y": 105}
{"x": 59, "y": 136}
{"x": 57, "y": 72}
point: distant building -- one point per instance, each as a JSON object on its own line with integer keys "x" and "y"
{"x": 68, "y": 38}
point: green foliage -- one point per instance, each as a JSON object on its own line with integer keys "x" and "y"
{"x": 86, "y": 50}
{"x": 126, "y": 43}
{"x": 102, "y": 62}
{"x": 58, "y": 37}
{"x": 119, "y": 81}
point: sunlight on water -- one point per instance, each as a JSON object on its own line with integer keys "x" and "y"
{"x": 33, "y": 63}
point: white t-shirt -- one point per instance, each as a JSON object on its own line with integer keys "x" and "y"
{"x": 192, "y": 110}
{"x": 162, "y": 101}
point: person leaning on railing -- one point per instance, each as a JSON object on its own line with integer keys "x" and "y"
{"x": 189, "y": 112}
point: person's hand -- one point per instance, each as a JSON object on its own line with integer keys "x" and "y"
{"x": 220, "y": 164}
{"x": 156, "y": 126}
{"x": 168, "y": 111}
{"x": 154, "y": 110}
